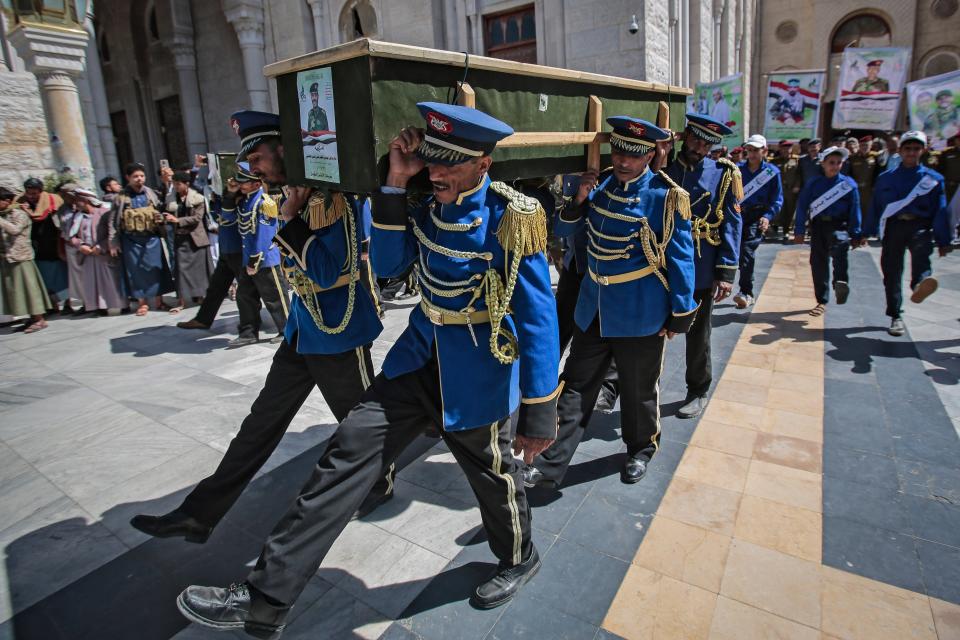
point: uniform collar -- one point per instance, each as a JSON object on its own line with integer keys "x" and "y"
{"x": 484, "y": 179}
{"x": 629, "y": 184}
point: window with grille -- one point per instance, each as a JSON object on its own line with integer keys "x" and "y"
{"x": 511, "y": 35}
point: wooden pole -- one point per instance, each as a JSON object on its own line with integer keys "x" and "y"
{"x": 663, "y": 148}
{"x": 467, "y": 97}
{"x": 594, "y": 123}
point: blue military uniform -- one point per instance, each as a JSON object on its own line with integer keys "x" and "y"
{"x": 830, "y": 207}
{"x": 481, "y": 344}
{"x": 640, "y": 279}
{"x": 714, "y": 187}
{"x": 327, "y": 336}
{"x": 229, "y": 268}
{"x": 764, "y": 202}
{"x": 909, "y": 209}
{"x": 256, "y": 215}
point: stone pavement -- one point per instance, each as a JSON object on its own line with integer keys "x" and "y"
{"x": 819, "y": 496}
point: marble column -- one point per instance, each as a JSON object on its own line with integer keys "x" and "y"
{"x": 246, "y": 16}
{"x": 323, "y": 31}
{"x": 98, "y": 93}
{"x": 56, "y": 57}
{"x": 185, "y": 62}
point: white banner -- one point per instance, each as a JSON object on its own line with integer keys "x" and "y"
{"x": 871, "y": 81}
{"x": 934, "y": 106}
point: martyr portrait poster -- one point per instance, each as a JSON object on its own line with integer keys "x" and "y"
{"x": 793, "y": 105}
{"x": 934, "y": 107}
{"x": 318, "y": 127}
{"x": 871, "y": 81}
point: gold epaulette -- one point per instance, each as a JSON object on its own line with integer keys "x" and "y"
{"x": 735, "y": 177}
{"x": 322, "y": 214}
{"x": 523, "y": 228}
{"x": 678, "y": 198}
{"x": 269, "y": 206}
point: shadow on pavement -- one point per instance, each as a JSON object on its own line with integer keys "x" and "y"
{"x": 133, "y": 595}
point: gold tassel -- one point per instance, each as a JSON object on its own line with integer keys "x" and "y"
{"x": 679, "y": 200}
{"x": 522, "y": 232}
{"x": 269, "y": 206}
{"x": 734, "y": 176}
{"x": 320, "y": 214}
{"x": 523, "y": 228}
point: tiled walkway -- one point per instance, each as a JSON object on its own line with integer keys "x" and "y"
{"x": 735, "y": 550}
{"x": 819, "y": 495}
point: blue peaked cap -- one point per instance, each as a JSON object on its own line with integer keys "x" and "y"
{"x": 455, "y": 134}
{"x": 243, "y": 173}
{"x": 254, "y": 127}
{"x": 634, "y": 136}
{"x": 710, "y": 129}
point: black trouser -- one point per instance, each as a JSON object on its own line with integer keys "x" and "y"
{"x": 272, "y": 288}
{"x": 639, "y": 362}
{"x": 699, "y": 367}
{"x": 899, "y": 236}
{"x": 390, "y": 416}
{"x": 228, "y": 269}
{"x": 749, "y": 242}
{"x": 828, "y": 240}
{"x": 568, "y": 292}
{"x": 341, "y": 378}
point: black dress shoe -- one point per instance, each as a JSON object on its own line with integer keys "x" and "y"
{"x": 242, "y": 341}
{"x": 533, "y": 477}
{"x": 172, "y": 525}
{"x": 692, "y": 406}
{"x": 192, "y": 324}
{"x": 506, "y": 582}
{"x": 232, "y": 608}
{"x": 633, "y": 470}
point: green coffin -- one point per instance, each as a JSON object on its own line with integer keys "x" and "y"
{"x": 341, "y": 107}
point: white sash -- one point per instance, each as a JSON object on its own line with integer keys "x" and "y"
{"x": 838, "y": 190}
{"x": 922, "y": 188}
{"x": 761, "y": 179}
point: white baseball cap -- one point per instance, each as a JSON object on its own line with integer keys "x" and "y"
{"x": 914, "y": 136}
{"x": 843, "y": 151}
{"x": 756, "y": 140}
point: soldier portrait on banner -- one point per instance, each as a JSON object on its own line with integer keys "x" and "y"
{"x": 793, "y": 105}
{"x": 869, "y": 87}
{"x": 934, "y": 107}
{"x": 318, "y": 128}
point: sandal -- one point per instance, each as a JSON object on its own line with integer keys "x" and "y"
{"x": 818, "y": 310}
{"x": 143, "y": 309}
{"x": 36, "y": 326}
{"x": 175, "y": 310}
{"x": 163, "y": 306}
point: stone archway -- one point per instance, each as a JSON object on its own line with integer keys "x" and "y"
{"x": 358, "y": 19}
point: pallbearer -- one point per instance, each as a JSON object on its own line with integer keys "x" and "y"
{"x": 327, "y": 340}
{"x": 909, "y": 209}
{"x": 481, "y": 344}
{"x": 257, "y": 214}
{"x": 638, "y": 291}
{"x": 829, "y": 205}
{"x": 714, "y": 188}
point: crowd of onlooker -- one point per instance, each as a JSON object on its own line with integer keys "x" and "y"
{"x": 68, "y": 250}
